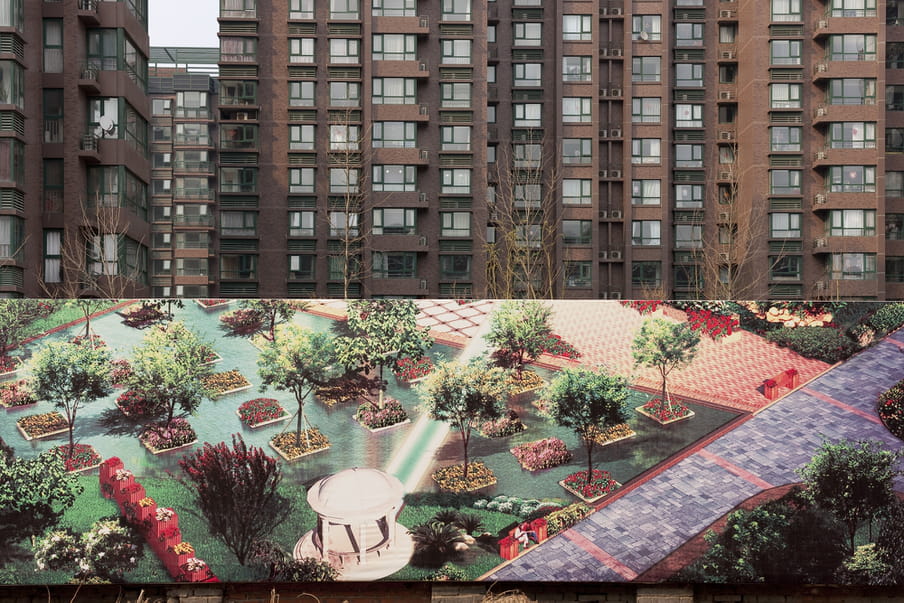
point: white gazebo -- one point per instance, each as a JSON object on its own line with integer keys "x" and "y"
{"x": 356, "y": 524}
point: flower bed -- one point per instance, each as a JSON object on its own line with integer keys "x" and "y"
{"x": 42, "y": 426}
{"x": 601, "y": 484}
{"x": 83, "y": 457}
{"x": 311, "y": 441}
{"x": 712, "y": 324}
{"x": 542, "y": 454}
{"x": 122, "y": 370}
{"x": 211, "y": 357}
{"x": 225, "y": 383}
{"x": 142, "y": 316}
{"x": 339, "y": 393}
{"x": 212, "y": 304}
{"x": 15, "y": 394}
{"x": 159, "y": 438}
{"x": 526, "y": 382}
{"x": 557, "y": 346}
{"x": 642, "y": 306}
{"x": 261, "y": 411}
{"x": 891, "y": 409}
{"x": 613, "y": 434}
{"x": 131, "y": 403}
{"x": 9, "y": 366}
{"x": 407, "y": 370}
{"x": 500, "y": 428}
{"x": 451, "y": 479}
{"x": 374, "y": 418}
{"x": 658, "y": 411}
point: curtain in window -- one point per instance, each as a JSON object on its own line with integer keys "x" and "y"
{"x": 52, "y": 253}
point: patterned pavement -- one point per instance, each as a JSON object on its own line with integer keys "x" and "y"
{"x": 637, "y": 530}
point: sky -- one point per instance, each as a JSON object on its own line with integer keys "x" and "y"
{"x": 183, "y": 22}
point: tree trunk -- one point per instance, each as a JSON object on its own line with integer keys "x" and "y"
{"x": 169, "y": 415}
{"x": 380, "y": 398}
{"x": 70, "y": 416}
{"x": 464, "y": 445}
{"x": 588, "y": 442}
{"x": 300, "y": 415}
{"x": 665, "y": 392}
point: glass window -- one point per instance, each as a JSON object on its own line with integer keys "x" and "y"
{"x": 301, "y": 180}
{"x": 894, "y": 269}
{"x": 728, "y": 33}
{"x": 394, "y": 91}
{"x": 238, "y": 50}
{"x": 53, "y": 45}
{"x": 344, "y": 180}
{"x": 301, "y": 267}
{"x": 301, "y": 9}
{"x": 785, "y": 52}
{"x": 527, "y": 155}
{"x": 527, "y": 195}
{"x": 689, "y": 75}
{"x": 527, "y": 74}
{"x": 852, "y": 179}
{"x": 394, "y": 47}
{"x": 529, "y": 235}
{"x": 688, "y": 116}
{"x": 576, "y": 191}
{"x": 688, "y": 34}
{"x": 786, "y": 10}
{"x": 394, "y": 8}
{"x": 455, "y": 138}
{"x": 456, "y": 10}
{"x": 455, "y": 224}
{"x": 12, "y": 84}
{"x": 688, "y": 155}
{"x": 394, "y": 221}
{"x": 576, "y": 109}
{"x": 395, "y": 264}
{"x": 853, "y": 266}
{"x": 238, "y": 223}
{"x": 784, "y": 182}
{"x": 646, "y": 69}
{"x": 12, "y": 14}
{"x": 852, "y": 47}
{"x": 343, "y": 224}
{"x": 784, "y": 225}
{"x": 238, "y": 137}
{"x": 301, "y": 223}
{"x": 688, "y": 236}
{"x": 577, "y": 232}
{"x": 576, "y": 69}
{"x": 894, "y": 140}
{"x": 578, "y": 275}
{"x": 394, "y": 134}
{"x": 646, "y": 232}
{"x": 301, "y": 50}
{"x": 455, "y": 181}
{"x": 646, "y": 27}
{"x": 646, "y": 192}
{"x": 646, "y": 274}
{"x": 455, "y": 267}
{"x": 785, "y": 96}
{"x": 577, "y": 27}
{"x": 301, "y": 94}
{"x": 301, "y": 137}
{"x": 851, "y": 223}
{"x": 646, "y": 110}
{"x": 527, "y": 114}
{"x": 528, "y": 34}
{"x": 456, "y": 52}
{"x": 394, "y": 178}
{"x": 894, "y": 184}
{"x": 53, "y": 256}
{"x": 345, "y": 50}
{"x": 345, "y": 10}
{"x": 785, "y": 268}
{"x": 345, "y": 137}
{"x": 852, "y": 91}
{"x": 853, "y": 135}
{"x": 688, "y": 196}
{"x": 645, "y": 151}
{"x": 456, "y": 94}
{"x": 577, "y": 150}
{"x": 785, "y": 138}
{"x": 894, "y": 97}
{"x": 345, "y": 94}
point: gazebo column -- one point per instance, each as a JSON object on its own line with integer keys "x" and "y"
{"x": 362, "y": 542}
{"x": 324, "y": 537}
{"x": 390, "y": 527}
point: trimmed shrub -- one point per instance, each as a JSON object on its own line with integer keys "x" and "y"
{"x": 821, "y": 343}
{"x": 887, "y": 318}
{"x": 564, "y": 518}
{"x": 450, "y": 572}
{"x": 891, "y": 408}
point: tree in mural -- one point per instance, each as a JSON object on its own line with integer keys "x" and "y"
{"x": 15, "y": 316}
{"x": 70, "y": 376}
{"x": 852, "y": 480}
{"x": 34, "y": 495}
{"x": 105, "y": 552}
{"x": 260, "y": 316}
{"x": 237, "y": 491}
{"x": 588, "y": 402}
{"x": 382, "y": 332}
{"x": 168, "y": 371}
{"x": 297, "y": 360}
{"x": 519, "y": 330}
{"x": 465, "y": 395}
{"x": 665, "y": 346}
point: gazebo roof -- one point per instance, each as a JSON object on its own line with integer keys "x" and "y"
{"x": 356, "y": 495}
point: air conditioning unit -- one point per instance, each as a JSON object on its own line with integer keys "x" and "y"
{"x": 726, "y": 95}
{"x": 726, "y": 135}
{"x": 423, "y": 22}
{"x": 723, "y": 257}
{"x": 616, "y": 214}
{"x": 820, "y": 198}
{"x": 615, "y": 254}
{"x": 822, "y": 67}
{"x": 604, "y": 133}
{"x": 616, "y": 52}
{"x": 819, "y": 243}
{"x": 820, "y": 155}
{"x": 242, "y": 116}
{"x": 724, "y": 175}
{"x": 822, "y": 24}
{"x": 422, "y": 197}
{"x": 615, "y": 173}
{"x": 604, "y": 173}
{"x": 820, "y": 285}
{"x": 422, "y": 241}
{"x": 822, "y": 111}
{"x": 616, "y": 132}
{"x": 726, "y": 14}
{"x": 615, "y": 92}
{"x": 604, "y": 255}
{"x": 604, "y": 92}
{"x": 603, "y": 215}
{"x": 615, "y": 295}
{"x": 422, "y": 66}
{"x": 615, "y": 10}
{"x": 723, "y": 216}
{"x": 604, "y": 52}
{"x": 425, "y": 154}
{"x": 604, "y": 10}
{"x": 423, "y": 284}
{"x": 728, "y": 55}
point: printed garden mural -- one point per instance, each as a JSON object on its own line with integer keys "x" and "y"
{"x": 148, "y": 441}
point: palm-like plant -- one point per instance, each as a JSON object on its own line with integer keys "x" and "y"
{"x": 434, "y": 542}
{"x": 470, "y": 523}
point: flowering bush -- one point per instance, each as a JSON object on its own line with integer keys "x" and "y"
{"x": 260, "y": 410}
{"x": 219, "y": 383}
{"x": 600, "y": 484}
{"x": 122, "y": 370}
{"x": 526, "y": 381}
{"x": 712, "y": 324}
{"x": 372, "y": 417}
{"x": 451, "y": 479}
{"x": 891, "y": 409}
{"x": 57, "y": 549}
{"x": 407, "y": 369}
{"x": 209, "y": 355}
{"x": 562, "y": 519}
{"x": 143, "y": 316}
{"x": 310, "y": 441}
{"x": 660, "y": 411}
{"x": 82, "y": 457}
{"x": 542, "y": 454}
{"x": 159, "y": 437}
{"x": 132, "y": 403}
{"x": 16, "y": 393}
{"x": 38, "y": 425}
{"x": 9, "y": 363}
{"x": 183, "y": 548}
{"x": 615, "y": 432}
{"x": 642, "y": 306}
{"x": 193, "y": 564}
{"x": 500, "y": 428}
{"x": 242, "y": 322}
{"x": 104, "y": 552}
{"x": 93, "y": 340}
{"x": 557, "y": 346}
{"x": 164, "y": 514}
{"x": 122, "y": 475}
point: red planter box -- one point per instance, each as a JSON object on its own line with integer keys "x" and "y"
{"x": 508, "y": 548}
{"x": 540, "y": 527}
{"x": 161, "y": 526}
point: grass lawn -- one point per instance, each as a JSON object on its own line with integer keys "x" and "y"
{"x": 66, "y": 313}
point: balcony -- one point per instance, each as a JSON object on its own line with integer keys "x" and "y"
{"x": 192, "y": 167}
{"x": 408, "y": 287}
{"x": 399, "y": 242}
{"x": 193, "y": 193}
{"x": 88, "y": 79}
{"x": 87, "y": 12}
{"x": 205, "y": 220}
{"x": 53, "y": 130}
{"x": 417, "y": 25}
{"x": 89, "y": 148}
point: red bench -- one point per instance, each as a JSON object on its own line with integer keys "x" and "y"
{"x": 789, "y": 379}
{"x": 510, "y": 547}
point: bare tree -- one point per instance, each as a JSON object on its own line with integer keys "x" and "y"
{"x": 521, "y": 259}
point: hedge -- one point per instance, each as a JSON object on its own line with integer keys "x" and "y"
{"x": 822, "y": 343}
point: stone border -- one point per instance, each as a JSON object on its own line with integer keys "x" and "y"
{"x": 229, "y": 392}
{"x": 627, "y": 437}
{"x": 590, "y": 501}
{"x": 641, "y": 411}
{"x": 379, "y": 429}
{"x": 214, "y": 307}
{"x": 19, "y": 406}
{"x": 155, "y": 452}
{"x": 14, "y": 372}
{"x": 216, "y": 358}
{"x": 40, "y": 436}
{"x": 286, "y": 415}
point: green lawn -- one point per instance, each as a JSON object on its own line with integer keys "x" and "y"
{"x": 66, "y": 313}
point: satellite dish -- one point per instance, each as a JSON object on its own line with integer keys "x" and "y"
{"x": 107, "y": 124}
{"x": 644, "y": 35}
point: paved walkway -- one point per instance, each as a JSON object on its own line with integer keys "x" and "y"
{"x": 640, "y": 528}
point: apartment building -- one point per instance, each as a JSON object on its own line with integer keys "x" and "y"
{"x": 74, "y": 168}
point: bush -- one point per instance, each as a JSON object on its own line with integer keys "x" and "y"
{"x": 891, "y": 408}
{"x": 821, "y": 343}
{"x": 562, "y": 519}
{"x": 542, "y": 454}
{"x": 450, "y": 572}
{"x": 887, "y": 318}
